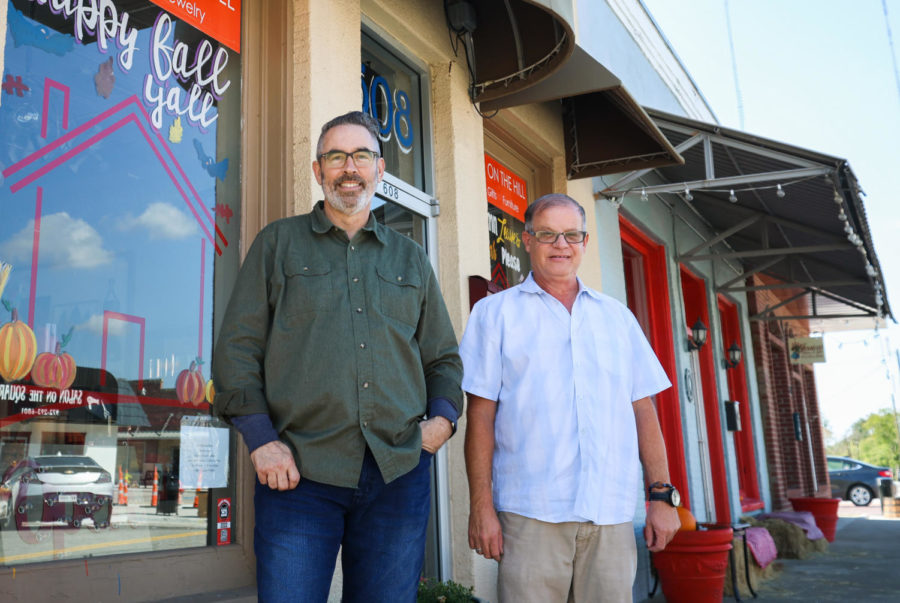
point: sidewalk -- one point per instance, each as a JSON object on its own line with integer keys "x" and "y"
{"x": 862, "y": 564}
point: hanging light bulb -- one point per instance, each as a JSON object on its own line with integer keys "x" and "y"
{"x": 870, "y": 270}
{"x": 731, "y": 196}
{"x": 643, "y": 195}
{"x": 687, "y": 194}
{"x": 837, "y": 198}
{"x": 848, "y": 229}
{"x": 779, "y": 192}
{"x": 842, "y": 216}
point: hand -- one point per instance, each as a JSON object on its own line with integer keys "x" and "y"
{"x": 485, "y": 536}
{"x": 435, "y": 431}
{"x": 662, "y": 523}
{"x": 275, "y": 466}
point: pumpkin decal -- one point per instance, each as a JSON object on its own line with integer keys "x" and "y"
{"x": 190, "y": 386}
{"x": 55, "y": 370}
{"x": 18, "y": 347}
{"x": 210, "y": 391}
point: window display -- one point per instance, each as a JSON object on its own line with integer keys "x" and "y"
{"x": 119, "y": 224}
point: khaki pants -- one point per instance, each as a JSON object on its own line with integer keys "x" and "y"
{"x": 557, "y": 562}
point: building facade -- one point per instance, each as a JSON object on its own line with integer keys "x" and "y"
{"x": 145, "y": 145}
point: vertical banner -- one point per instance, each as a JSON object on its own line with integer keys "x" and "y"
{"x": 219, "y": 19}
{"x": 507, "y": 201}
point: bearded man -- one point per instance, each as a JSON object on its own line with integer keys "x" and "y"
{"x": 338, "y": 364}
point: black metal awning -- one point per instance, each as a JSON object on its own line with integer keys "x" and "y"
{"x": 792, "y": 214}
{"x": 524, "y": 51}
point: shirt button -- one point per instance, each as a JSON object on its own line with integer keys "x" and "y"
{"x": 352, "y": 248}
{"x": 365, "y": 423}
{"x": 355, "y": 279}
{"x": 399, "y": 278}
{"x": 362, "y": 345}
{"x": 305, "y": 268}
{"x": 366, "y": 385}
{"x": 359, "y": 310}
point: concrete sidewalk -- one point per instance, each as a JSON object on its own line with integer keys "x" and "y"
{"x": 862, "y": 564}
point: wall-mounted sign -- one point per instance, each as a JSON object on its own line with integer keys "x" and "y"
{"x": 505, "y": 189}
{"x": 507, "y": 201}
{"x": 806, "y": 350}
{"x": 219, "y": 19}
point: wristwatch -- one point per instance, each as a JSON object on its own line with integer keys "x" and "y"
{"x": 667, "y": 493}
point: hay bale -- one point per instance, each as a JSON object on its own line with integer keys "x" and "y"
{"x": 790, "y": 539}
{"x": 757, "y": 574}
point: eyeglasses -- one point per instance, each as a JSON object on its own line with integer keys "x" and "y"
{"x": 362, "y": 158}
{"x": 549, "y": 237}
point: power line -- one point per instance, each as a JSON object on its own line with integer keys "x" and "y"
{"x": 887, "y": 24}
{"x": 734, "y": 69}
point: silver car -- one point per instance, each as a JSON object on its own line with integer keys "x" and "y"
{"x": 57, "y": 489}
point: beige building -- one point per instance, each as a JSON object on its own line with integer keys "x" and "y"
{"x": 144, "y": 149}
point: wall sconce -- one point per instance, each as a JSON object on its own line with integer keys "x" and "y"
{"x": 698, "y": 336}
{"x": 734, "y": 356}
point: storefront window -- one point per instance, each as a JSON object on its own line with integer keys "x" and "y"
{"x": 119, "y": 224}
{"x": 507, "y": 201}
{"x": 391, "y": 93}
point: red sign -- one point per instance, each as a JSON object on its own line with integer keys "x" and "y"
{"x": 223, "y": 521}
{"x": 505, "y": 189}
{"x": 219, "y": 19}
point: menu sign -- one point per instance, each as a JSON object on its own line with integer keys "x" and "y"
{"x": 507, "y": 197}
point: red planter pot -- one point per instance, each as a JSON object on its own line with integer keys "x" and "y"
{"x": 692, "y": 567}
{"x": 824, "y": 510}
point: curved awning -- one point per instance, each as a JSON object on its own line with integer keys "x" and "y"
{"x": 524, "y": 51}
{"x": 778, "y": 210}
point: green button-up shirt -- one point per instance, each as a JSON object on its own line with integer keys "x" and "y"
{"x": 341, "y": 342}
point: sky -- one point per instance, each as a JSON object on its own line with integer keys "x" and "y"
{"x": 822, "y": 75}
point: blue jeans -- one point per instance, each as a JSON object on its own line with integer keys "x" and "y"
{"x": 380, "y": 529}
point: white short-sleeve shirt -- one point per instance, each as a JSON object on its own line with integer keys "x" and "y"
{"x": 565, "y": 437}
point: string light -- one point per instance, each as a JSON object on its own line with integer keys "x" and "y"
{"x": 731, "y": 196}
{"x": 779, "y": 192}
{"x": 687, "y": 194}
{"x": 643, "y": 195}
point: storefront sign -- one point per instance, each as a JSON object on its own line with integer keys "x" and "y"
{"x": 219, "y": 19}
{"x": 505, "y": 189}
{"x": 806, "y": 350}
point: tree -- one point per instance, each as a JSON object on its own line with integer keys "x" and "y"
{"x": 872, "y": 439}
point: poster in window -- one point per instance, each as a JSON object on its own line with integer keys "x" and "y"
{"x": 507, "y": 198}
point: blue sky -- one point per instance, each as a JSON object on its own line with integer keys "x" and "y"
{"x": 818, "y": 74}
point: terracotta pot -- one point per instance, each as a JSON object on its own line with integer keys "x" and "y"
{"x": 692, "y": 567}
{"x": 824, "y": 510}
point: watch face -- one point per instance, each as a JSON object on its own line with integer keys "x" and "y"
{"x": 675, "y": 498}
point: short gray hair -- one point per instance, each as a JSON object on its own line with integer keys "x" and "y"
{"x": 548, "y": 201}
{"x": 354, "y": 118}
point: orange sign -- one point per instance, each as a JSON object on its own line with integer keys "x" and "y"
{"x": 505, "y": 189}
{"x": 219, "y": 19}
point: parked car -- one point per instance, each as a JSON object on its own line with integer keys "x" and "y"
{"x": 855, "y": 480}
{"x": 56, "y": 489}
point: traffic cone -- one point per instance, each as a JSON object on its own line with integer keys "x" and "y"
{"x": 125, "y": 494}
{"x": 121, "y": 499}
{"x": 197, "y": 491}
{"x": 154, "y": 496}
{"x": 180, "y": 493}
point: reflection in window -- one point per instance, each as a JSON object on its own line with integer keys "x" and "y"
{"x": 120, "y": 214}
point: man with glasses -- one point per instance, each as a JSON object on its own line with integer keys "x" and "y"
{"x": 559, "y": 379}
{"x": 337, "y": 362}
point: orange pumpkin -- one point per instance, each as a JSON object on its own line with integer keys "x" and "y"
{"x": 189, "y": 385}
{"x": 54, "y": 370}
{"x": 18, "y": 348}
{"x": 688, "y": 521}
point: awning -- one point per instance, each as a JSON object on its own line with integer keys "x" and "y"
{"x": 789, "y": 213}
{"x": 524, "y": 52}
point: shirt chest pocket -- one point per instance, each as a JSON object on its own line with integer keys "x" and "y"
{"x": 308, "y": 287}
{"x": 401, "y": 294}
